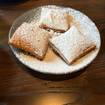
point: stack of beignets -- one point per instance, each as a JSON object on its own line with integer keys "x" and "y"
{"x": 35, "y": 39}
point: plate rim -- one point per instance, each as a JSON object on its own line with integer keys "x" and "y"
{"x": 60, "y": 73}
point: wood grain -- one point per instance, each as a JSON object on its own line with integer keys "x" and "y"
{"x": 21, "y": 86}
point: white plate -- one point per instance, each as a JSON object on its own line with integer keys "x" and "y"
{"x": 52, "y": 63}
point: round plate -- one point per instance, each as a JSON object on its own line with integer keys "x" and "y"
{"x": 52, "y": 63}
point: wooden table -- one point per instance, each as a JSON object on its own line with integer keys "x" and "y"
{"x": 21, "y": 86}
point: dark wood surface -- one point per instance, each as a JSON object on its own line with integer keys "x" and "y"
{"x": 21, "y": 86}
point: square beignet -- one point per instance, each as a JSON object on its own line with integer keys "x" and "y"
{"x": 32, "y": 39}
{"x": 55, "y": 19}
{"x": 71, "y": 45}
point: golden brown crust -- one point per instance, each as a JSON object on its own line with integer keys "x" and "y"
{"x": 21, "y": 44}
{"x": 34, "y": 41}
{"x": 86, "y": 51}
{"x": 47, "y": 27}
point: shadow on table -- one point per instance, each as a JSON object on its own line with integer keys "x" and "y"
{"x": 51, "y": 77}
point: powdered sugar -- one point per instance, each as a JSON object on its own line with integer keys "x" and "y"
{"x": 52, "y": 62}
